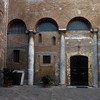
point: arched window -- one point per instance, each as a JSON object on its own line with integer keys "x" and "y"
{"x": 16, "y": 26}
{"x": 46, "y": 24}
{"x": 53, "y": 40}
{"x": 40, "y": 38}
{"x": 78, "y": 23}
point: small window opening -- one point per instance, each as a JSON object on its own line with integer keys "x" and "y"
{"x": 40, "y": 38}
{"x": 53, "y": 40}
{"x": 16, "y": 55}
{"x": 46, "y": 59}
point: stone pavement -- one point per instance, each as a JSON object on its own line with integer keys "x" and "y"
{"x": 53, "y": 93}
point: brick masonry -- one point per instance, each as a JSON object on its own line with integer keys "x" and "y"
{"x": 3, "y": 36}
{"x": 61, "y": 11}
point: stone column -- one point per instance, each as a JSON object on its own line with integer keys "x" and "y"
{"x": 62, "y": 58}
{"x": 95, "y": 57}
{"x": 31, "y": 59}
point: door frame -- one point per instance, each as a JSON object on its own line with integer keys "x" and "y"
{"x": 90, "y": 67}
{"x": 79, "y": 68}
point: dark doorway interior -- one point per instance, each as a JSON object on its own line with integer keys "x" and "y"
{"x": 79, "y": 70}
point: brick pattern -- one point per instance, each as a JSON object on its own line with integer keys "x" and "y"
{"x": 3, "y": 23}
{"x": 62, "y": 11}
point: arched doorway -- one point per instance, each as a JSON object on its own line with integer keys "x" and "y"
{"x": 79, "y": 70}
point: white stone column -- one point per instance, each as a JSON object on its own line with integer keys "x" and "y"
{"x": 62, "y": 58}
{"x": 31, "y": 59}
{"x": 95, "y": 57}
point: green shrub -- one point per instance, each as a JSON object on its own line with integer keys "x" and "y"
{"x": 7, "y": 73}
{"x": 46, "y": 80}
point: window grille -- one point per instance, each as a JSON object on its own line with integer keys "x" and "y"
{"x": 46, "y": 59}
{"x": 17, "y": 27}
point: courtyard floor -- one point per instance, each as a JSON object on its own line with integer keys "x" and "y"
{"x": 53, "y": 93}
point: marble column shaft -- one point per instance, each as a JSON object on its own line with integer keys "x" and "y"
{"x": 95, "y": 59}
{"x": 62, "y": 59}
{"x": 31, "y": 60}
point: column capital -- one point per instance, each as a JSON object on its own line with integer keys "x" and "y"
{"x": 94, "y": 30}
{"x": 62, "y": 30}
{"x": 32, "y": 32}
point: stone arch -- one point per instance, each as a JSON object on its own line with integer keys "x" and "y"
{"x": 19, "y": 24}
{"x": 79, "y": 23}
{"x": 46, "y": 24}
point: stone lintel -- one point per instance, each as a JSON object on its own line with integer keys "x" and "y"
{"x": 62, "y": 30}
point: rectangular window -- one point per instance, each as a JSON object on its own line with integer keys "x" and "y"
{"x": 40, "y": 38}
{"x": 46, "y": 59}
{"x": 16, "y": 55}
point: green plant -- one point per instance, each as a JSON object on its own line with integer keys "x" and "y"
{"x": 46, "y": 80}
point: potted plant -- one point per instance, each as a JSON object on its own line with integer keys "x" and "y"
{"x": 8, "y": 77}
{"x": 46, "y": 81}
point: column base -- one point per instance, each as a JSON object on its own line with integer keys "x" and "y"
{"x": 60, "y": 84}
{"x": 96, "y": 86}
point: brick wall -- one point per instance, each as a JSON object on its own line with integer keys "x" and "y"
{"x": 62, "y": 11}
{"x": 3, "y": 37}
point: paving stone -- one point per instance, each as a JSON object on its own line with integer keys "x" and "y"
{"x": 52, "y": 93}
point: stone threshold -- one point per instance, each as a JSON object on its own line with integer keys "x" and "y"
{"x": 79, "y": 87}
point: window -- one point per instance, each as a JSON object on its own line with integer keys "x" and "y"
{"x": 53, "y": 40}
{"x": 40, "y": 38}
{"x": 16, "y": 55}
{"x": 79, "y": 23}
{"x": 46, "y": 25}
{"x": 46, "y": 59}
{"x": 17, "y": 27}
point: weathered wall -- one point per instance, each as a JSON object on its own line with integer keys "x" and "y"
{"x": 3, "y": 28}
{"x": 62, "y": 11}
{"x": 17, "y": 42}
{"x": 47, "y": 48}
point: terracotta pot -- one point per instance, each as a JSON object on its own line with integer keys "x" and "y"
{"x": 8, "y": 83}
